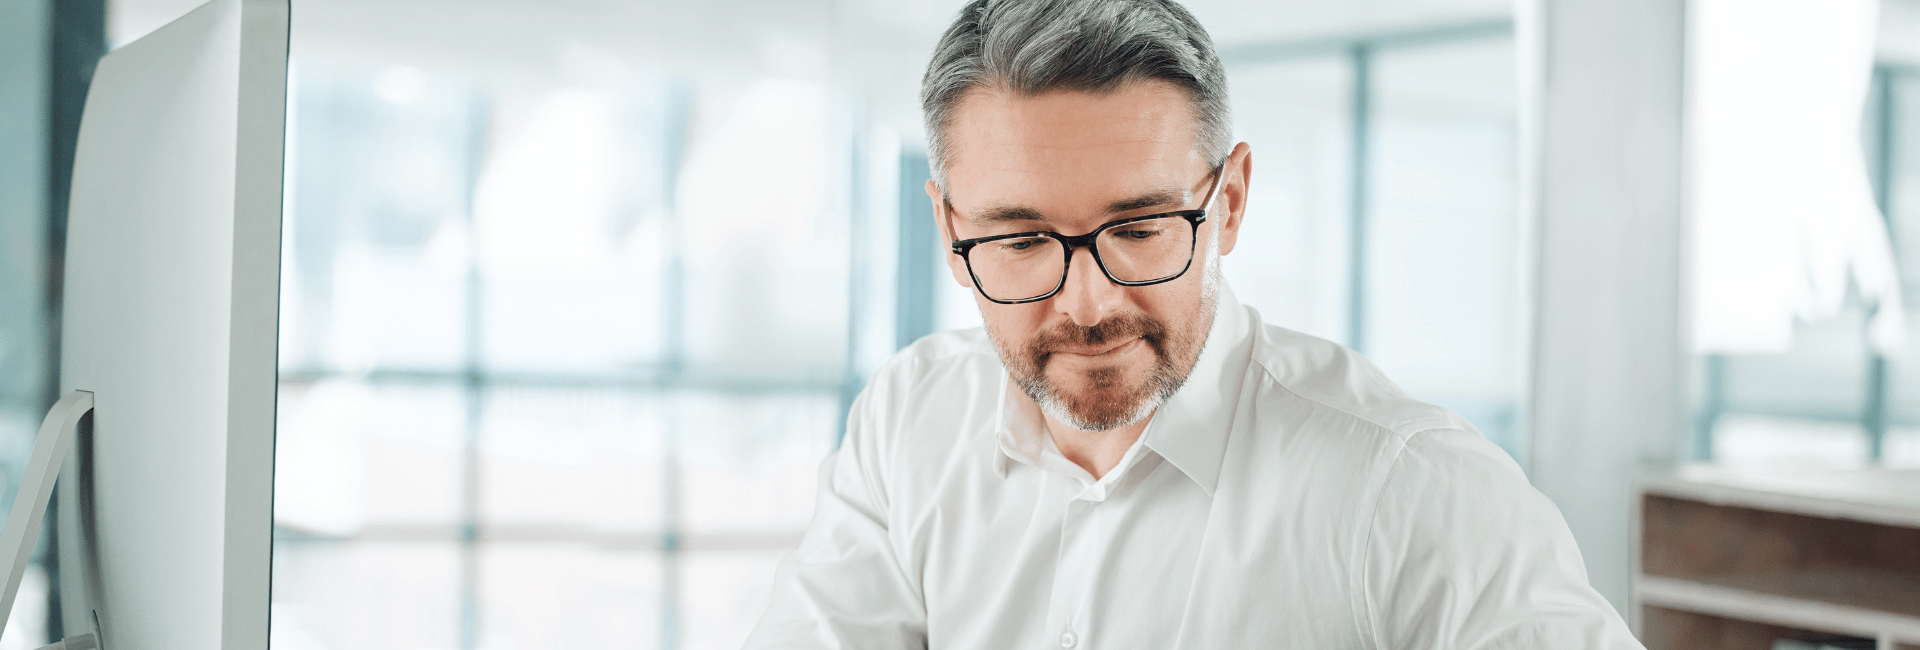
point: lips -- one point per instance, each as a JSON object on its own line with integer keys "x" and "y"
{"x": 1102, "y": 342}
{"x": 1096, "y": 351}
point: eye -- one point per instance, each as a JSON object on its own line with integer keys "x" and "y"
{"x": 1021, "y": 245}
{"x": 1137, "y": 234}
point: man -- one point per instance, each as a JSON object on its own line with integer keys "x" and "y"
{"x": 1126, "y": 456}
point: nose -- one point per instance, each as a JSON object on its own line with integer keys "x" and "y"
{"x": 1087, "y": 296}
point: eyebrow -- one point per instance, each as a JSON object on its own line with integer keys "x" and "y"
{"x": 1156, "y": 198}
{"x": 1152, "y": 199}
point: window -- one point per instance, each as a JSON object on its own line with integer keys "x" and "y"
{"x": 552, "y": 375}
{"x": 559, "y": 362}
{"x": 1386, "y": 210}
{"x": 1829, "y": 401}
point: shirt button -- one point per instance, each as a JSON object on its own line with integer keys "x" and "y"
{"x": 1068, "y": 640}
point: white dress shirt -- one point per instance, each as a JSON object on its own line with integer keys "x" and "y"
{"x": 1289, "y": 496}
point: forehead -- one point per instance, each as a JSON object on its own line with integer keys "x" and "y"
{"x": 1066, "y": 149}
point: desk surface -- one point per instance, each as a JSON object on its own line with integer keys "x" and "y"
{"x": 1881, "y": 496}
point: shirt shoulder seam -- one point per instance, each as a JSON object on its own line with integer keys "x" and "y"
{"x": 1404, "y": 432}
{"x": 1364, "y": 616}
{"x": 1363, "y": 577}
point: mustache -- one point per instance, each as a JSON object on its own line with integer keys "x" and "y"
{"x": 1117, "y": 328}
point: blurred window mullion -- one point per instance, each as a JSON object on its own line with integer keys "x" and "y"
{"x": 1880, "y": 170}
{"x": 51, "y": 49}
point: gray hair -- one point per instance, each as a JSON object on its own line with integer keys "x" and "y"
{"x": 1030, "y": 47}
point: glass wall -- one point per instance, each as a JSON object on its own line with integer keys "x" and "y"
{"x": 560, "y": 358}
{"x": 1829, "y": 401}
{"x": 47, "y": 54}
{"x": 1293, "y": 262}
{"x": 551, "y": 376}
{"x": 1896, "y": 144}
{"x": 1385, "y": 211}
{"x": 559, "y": 363}
{"x": 1446, "y": 298}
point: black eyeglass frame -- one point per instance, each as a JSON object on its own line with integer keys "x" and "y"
{"x": 1069, "y": 242}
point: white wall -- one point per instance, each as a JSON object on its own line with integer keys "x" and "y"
{"x": 1601, "y": 85}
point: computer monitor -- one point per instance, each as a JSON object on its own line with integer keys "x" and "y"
{"x": 170, "y": 320}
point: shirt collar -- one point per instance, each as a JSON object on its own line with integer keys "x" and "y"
{"x": 1190, "y": 430}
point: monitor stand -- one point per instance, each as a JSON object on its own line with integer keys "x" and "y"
{"x": 22, "y": 532}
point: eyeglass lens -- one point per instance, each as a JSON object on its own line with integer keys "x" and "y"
{"x": 1023, "y": 268}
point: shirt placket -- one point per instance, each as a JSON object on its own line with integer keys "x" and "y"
{"x": 1069, "y": 619}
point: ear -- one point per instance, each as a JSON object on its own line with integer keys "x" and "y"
{"x": 942, "y": 221}
{"x": 1233, "y": 196}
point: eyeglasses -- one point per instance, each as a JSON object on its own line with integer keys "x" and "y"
{"x": 1134, "y": 252}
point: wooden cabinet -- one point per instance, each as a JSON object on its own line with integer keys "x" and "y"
{"x": 1734, "y": 561}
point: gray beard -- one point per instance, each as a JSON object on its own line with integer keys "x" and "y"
{"x": 1104, "y": 412}
{"x": 1108, "y": 405}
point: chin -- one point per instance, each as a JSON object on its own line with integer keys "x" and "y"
{"x": 1102, "y": 399}
{"x": 1100, "y": 412}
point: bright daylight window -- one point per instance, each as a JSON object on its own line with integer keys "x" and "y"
{"x": 1803, "y": 288}
{"x": 1385, "y": 206}
{"x": 560, "y": 358}
{"x": 553, "y": 375}
{"x": 1829, "y": 399}
{"x": 530, "y": 398}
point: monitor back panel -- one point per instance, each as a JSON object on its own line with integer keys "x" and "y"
{"x": 170, "y": 318}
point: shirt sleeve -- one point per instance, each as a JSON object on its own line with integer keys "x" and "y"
{"x": 1463, "y": 553}
{"x": 844, "y": 587}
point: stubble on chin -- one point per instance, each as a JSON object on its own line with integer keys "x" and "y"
{"x": 1106, "y": 399}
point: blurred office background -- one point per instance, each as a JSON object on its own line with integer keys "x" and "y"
{"x": 575, "y": 294}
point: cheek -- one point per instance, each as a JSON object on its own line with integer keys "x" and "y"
{"x": 1176, "y": 303}
{"x": 1015, "y": 324}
